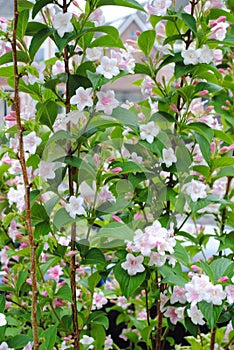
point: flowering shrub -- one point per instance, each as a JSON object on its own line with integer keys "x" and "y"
{"x": 110, "y": 207}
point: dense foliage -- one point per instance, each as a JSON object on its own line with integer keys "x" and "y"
{"x": 117, "y": 206}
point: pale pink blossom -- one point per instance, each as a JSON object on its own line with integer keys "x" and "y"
{"x": 205, "y": 54}
{"x": 165, "y": 74}
{"x": 97, "y": 17}
{"x": 39, "y": 77}
{"x": 213, "y": 3}
{"x": 122, "y": 302}
{"x": 195, "y": 189}
{"x": 86, "y": 340}
{"x": 55, "y": 272}
{"x": 106, "y": 101}
{"x": 108, "y": 67}
{"x": 62, "y": 23}
{"x": 75, "y": 206}
{"x": 168, "y": 157}
{"x": 230, "y": 294}
{"x": 149, "y": 131}
{"x": 31, "y": 141}
{"x": 3, "y": 24}
{"x": 29, "y": 346}
{"x": 99, "y": 300}
{"x": 133, "y": 264}
{"x": 108, "y": 343}
{"x": 157, "y": 259}
{"x": 215, "y": 294}
{"x": 47, "y": 169}
{"x": 219, "y": 31}
{"x": 58, "y": 68}
{"x": 175, "y": 314}
{"x": 158, "y": 7}
{"x": 4, "y": 346}
{"x": 82, "y": 98}
{"x": 163, "y": 300}
{"x": 3, "y": 320}
{"x": 190, "y": 56}
{"x": 17, "y": 196}
{"x": 196, "y": 316}
{"x": 94, "y": 54}
{"x": 217, "y": 56}
{"x": 196, "y": 288}
{"x": 4, "y": 257}
{"x": 178, "y": 295}
{"x": 147, "y": 85}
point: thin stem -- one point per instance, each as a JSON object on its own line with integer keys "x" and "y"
{"x": 28, "y": 221}
{"x": 148, "y": 317}
{"x": 212, "y": 340}
{"x": 228, "y": 346}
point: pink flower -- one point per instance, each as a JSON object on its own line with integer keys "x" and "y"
{"x": 133, "y": 264}
{"x": 75, "y": 206}
{"x": 97, "y": 17}
{"x": 108, "y": 67}
{"x": 122, "y": 302}
{"x": 98, "y": 300}
{"x": 196, "y": 316}
{"x": 178, "y": 295}
{"x": 106, "y": 101}
{"x": 82, "y": 98}
{"x": 62, "y": 23}
{"x": 116, "y": 170}
{"x": 203, "y": 92}
{"x": 158, "y": 7}
{"x": 174, "y": 313}
{"x": 195, "y": 189}
{"x": 31, "y": 141}
{"x": 219, "y": 31}
{"x": 55, "y": 272}
{"x": 108, "y": 343}
{"x": 230, "y": 294}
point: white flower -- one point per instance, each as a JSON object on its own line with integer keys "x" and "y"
{"x": 219, "y": 31}
{"x": 230, "y": 293}
{"x": 40, "y": 67}
{"x": 94, "y": 54}
{"x": 4, "y": 346}
{"x": 47, "y": 170}
{"x": 106, "y": 101}
{"x": 97, "y": 17}
{"x": 62, "y": 23}
{"x": 168, "y": 157}
{"x": 190, "y": 56}
{"x": 205, "y": 54}
{"x": 133, "y": 264}
{"x": 31, "y": 141}
{"x": 195, "y": 189}
{"x": 196, "y": 316}
{"x": 74, "y": 207}
{"x": 17, "y": 196}
{"x": 98, "y": 300}
{"x": 159, "y": 7}
{"x": 108, "y": 343}
{"x": 149, "y": 131}
{"x": 3, "y": 320}
{"x": 82, "y": 98}
{"x": 157, "y": 259}
{"x": 215, "y": 294}
{"x": 165, "y": 74}
{"x": 86, "y": 340}
{"x": 108, "y": 67}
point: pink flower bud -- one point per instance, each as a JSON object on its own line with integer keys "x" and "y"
{"x": 203, "y": 92}
{"x": 138, "y": 216}
{"x": 195, "y": 267}
{"x": 224, "y": 149}
{"x": 223, "y": 279}
{"x": 209, "y": 109}
{"x": 174, "y": 108}
{"x": 116, "y": 170}
{"x": 71, "y": 253}
{"x": 96, "y": 159}
{"x": 111, "y": 159}
{"x": 224, "y": 108}
{"x": 228, "y": 102}
{"x": 117, "y": 219}
{"x": 44, "y": 293}
{"x": 212, "y": 147}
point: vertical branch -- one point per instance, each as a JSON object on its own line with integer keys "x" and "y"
{"x": 159, "y": 316}
{"x": 71, "y": 193}
{"x": 212, "y": 340}
{"x": 28, "y": 221}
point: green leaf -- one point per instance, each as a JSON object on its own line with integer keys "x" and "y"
{"x": 180, "y": 254}
{"x": 99, "y": 334}
{"x": 202, "y": 169}
{"x": 128, "y": 284}
{"x": 146, "y": 41}
{"x": 39, "y": 5}
{"x": 126, "y": 117}
{"x": 64, "y": 293}
{"x": 227, "y": 242}
{"x": 24, "y": 5}
{"x": 116, "y": 230}
{"x": 93, "y": 281}
{"x": 62, "y": 218}
{"x": 21, "y": 279}
{"x": 107, "y": 41}
{"x": 223, "y": 162}
{"x": 221, "y": 267}
{"x": 2, "y": 302}
{"x": 19, "y": 341}
{"x": 189, "y": 20}
{"x": 21, "y": 57}
{"x": 75, "y": 81}
{"x": 34, "y": 27}
{"x": 38, "y": 40}
{"x": 94, "y": 257}
{"x": 22, "y": 23}
{"x": 126, "y": 3}
{"x": 204, "y": 147}
{"x": 47, "y": 113}
{"x": 169, "y": 276}
{"x": 98, "y": 317}
{"x": 7, "y": 71}
{"x": 142, "y": 69}
{"x": 50, "y": 337}
{"x": 42, "y": 229}
{"x": 39, "y": 213}
{"x": 210, "y": 312}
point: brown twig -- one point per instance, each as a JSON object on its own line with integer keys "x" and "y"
{"x": 212, "y": 340}
{"x": 28, "y": 221}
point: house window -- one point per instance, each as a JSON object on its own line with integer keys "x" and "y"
{"x": 132, "y": 34}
